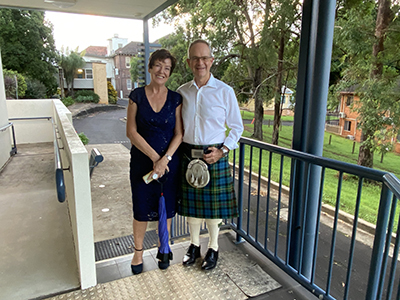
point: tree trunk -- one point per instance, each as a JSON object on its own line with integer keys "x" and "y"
{"x": 383, "y": 19}
{"x": 258, "y": 106}
{"x": 278, "y": 92}
{"x": 365, "y": 155}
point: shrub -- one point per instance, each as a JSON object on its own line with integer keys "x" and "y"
{"x": 10, "y": 84}
{"x": 35, "y": 89}
{"x": 83, "y": 138}
{"x": 68, "y": 101}
{"x": 112, "y": 93}
{"x": 86, "y": 96}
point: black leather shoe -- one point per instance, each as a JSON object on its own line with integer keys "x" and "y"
{"x": 210, "y": 260}
{"x": 137, "y": 269}
{"x": 191, "y": 255}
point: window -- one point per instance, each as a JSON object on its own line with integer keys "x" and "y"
{"x": 347, "y": 125}
{"x": 128, "y": 61}
{"x": 84, "y": 74}
{"x": 128, "y": 84}
{"x": 89, "y": 74}
{"x": 120, "y": 45}
{"x": 349, "y": 100}
{"x": 80, "y": 73}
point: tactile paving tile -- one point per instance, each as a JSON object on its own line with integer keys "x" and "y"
{"x": 94, "y": 293}
{"x": 246, "y": 274}
{"x": 236, "y": 277}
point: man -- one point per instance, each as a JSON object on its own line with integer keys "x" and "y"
{"x": 208, "y": 106}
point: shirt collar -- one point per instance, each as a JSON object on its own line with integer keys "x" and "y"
{"x": 212, "y": 83}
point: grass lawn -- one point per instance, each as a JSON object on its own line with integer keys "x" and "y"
{"x": 249, "y": 115}
{"x": 339, "y": 149}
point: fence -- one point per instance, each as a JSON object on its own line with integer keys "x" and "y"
{"x": 341, "y": 267}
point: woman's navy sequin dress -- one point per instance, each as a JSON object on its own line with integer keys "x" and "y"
{"x": 157, "y": 129}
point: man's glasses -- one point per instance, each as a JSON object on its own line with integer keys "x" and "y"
{"x": 203, "y": 58}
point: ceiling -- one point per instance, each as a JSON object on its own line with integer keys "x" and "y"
{"x": 132, "y": 9}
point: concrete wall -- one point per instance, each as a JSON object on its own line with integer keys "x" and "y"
{"x": 100, "y": 82}
{"x": 5, "y": 136}
{"x": 77, "y": 180}
{"x": 31, "y": 131}
{"x": 77, "y": 183}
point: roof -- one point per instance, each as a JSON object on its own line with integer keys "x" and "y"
{"x": 286, "y": 90}
{"x": 131, "y": 48}
{"x": 96, "y": 51}
{"x": 132, "y": 9}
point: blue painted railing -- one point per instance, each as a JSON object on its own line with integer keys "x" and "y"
{"x": 342, "y": 266}
{"x": 265, "y": 216}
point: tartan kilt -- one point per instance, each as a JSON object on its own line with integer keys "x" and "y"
{"x": 217, "y": 200}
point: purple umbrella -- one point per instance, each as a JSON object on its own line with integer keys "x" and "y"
{"x": 164, "y": 251}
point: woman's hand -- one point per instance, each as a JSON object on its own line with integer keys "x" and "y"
{"x": 160, "y": 166}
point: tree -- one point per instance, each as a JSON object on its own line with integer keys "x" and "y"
{"x": 177, "y": 43}
{"x": 369, "y": 37}
{"x": 70, "y": 63}
{"x": 27, "y": 45}
{"x": 14, "y": 84}
{"x": 240, "y": 33}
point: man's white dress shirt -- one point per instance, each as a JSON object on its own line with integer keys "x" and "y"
{"x": 206, "y": 111}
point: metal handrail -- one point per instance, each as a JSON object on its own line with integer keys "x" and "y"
{"x": 6, "y": 126}
{"x": 14, "y": 147}
{"x": 59, "y": 175}
{"x": 390, "y": 194}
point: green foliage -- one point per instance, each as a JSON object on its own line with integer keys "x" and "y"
{"x": 35, "y": 89}
{"x": 177, "y": 43}
{"x": 134, "y": 70}
{"x": 245, "y": 36}
{"x": 70, "y": 63}
{"x": 83, "y": 138}
{"x": 86, "y": 96}
{"x": 112, "y": 93}
{"x": 10, "y": 84}
{"x": 27, "y": 45}
{"x": 374, "y": 78}
{"x": 68, "y": 101}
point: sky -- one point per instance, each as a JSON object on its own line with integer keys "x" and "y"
{"x": 77, "y": 30}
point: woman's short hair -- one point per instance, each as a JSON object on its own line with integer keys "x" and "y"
{"x": 162, "y": 54}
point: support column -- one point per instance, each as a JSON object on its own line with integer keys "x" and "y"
{"x": 309, "y": 124}
{"x": 146, "y": 48}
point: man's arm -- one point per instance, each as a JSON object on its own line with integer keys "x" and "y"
{"x": 233, "y": 121}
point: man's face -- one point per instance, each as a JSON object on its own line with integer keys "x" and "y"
{"x": 200, "y": 61}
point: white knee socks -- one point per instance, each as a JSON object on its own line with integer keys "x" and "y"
{"x": 194, "y": 228}
{"x": 213, "y": 231}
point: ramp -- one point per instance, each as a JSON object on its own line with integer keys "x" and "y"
{"x": 37, "y": 256}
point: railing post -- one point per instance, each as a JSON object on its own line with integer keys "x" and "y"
{"x": 379, "y": 243}
{"x": 240, "y": 190}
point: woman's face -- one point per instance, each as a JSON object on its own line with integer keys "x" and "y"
{"x": 160, "y": 71}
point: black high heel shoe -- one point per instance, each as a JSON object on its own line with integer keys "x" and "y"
{"x": 164, "y": 259}
{"x": 137, "y": 269}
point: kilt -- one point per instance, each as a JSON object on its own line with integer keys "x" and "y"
{"x": 217, "y": 199}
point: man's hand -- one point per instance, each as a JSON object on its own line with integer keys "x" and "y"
{"x": 214, "y": 156}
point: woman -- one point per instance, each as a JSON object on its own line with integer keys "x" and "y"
{"x": 154, "y": 127}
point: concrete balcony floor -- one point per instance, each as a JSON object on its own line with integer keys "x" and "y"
{"x": 37, "y": 258}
